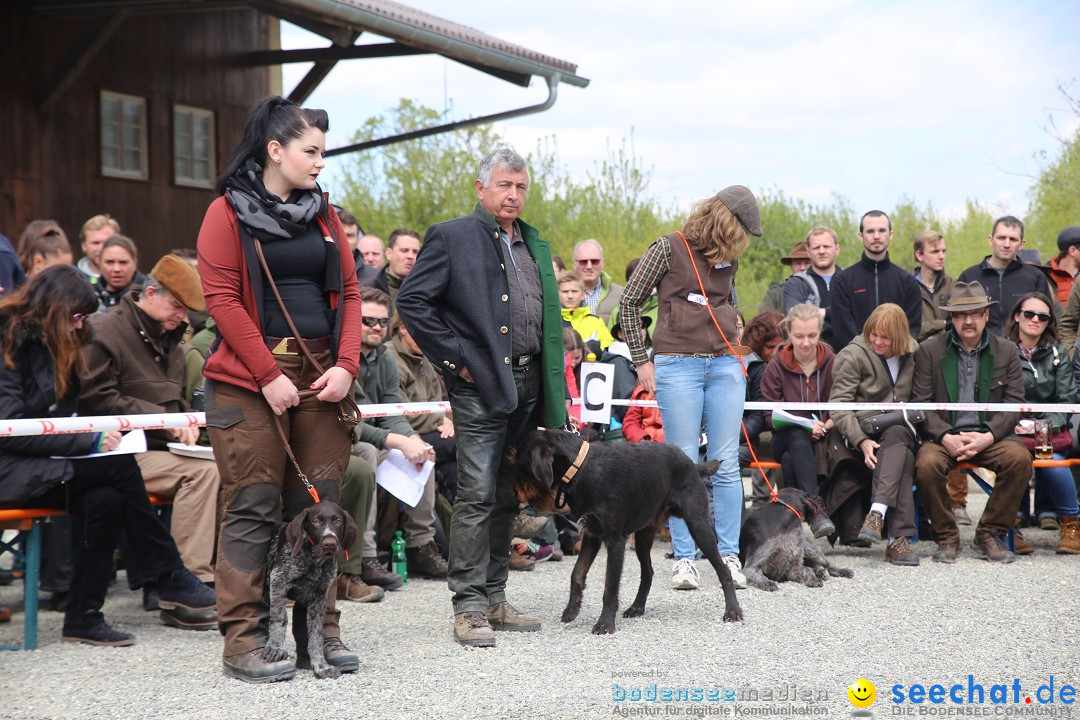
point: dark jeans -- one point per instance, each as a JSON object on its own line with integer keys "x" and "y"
{"x": 795, "y": 451}
{"x": 106, "y": 498}
{"x": 485, "y": 504}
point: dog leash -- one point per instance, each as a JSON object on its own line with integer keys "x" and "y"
{"x": 560, "y": 491}
{"x": 773, "y": 495}
{"x": 348, "y": 400}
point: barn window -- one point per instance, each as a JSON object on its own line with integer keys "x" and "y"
{"x": 193, "y": 147}
{"x": 123, "y": 136}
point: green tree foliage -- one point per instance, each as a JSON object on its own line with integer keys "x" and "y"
{"x": 1055, "y": 197}
{"x": 421, "y": 182}
{"x": 428, "y": 180}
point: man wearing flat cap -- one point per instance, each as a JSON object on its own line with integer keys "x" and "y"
{"x": 968, "y": 364}
{"x": 135, "y": 366}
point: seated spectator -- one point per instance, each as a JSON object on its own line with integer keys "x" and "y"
{"x": 643, "y": 423}
{"x": 946, "y": 367}
{"x": 119, "y": 270}
{"x": 762, "y": 336}
{"x": 422, "y": 382}
{"x": 1048, "y": 378}
{"x": 649, "y": 309}
{"x": 44, "y": 248}
{"x": 11, "y": 270}
{"x": 135, "y": 366}
{"x": 575, "y": 352}
{"x": 801, "y": 371}
{"x": 591, "y": 328}
{"x": 877, "y": 367}
{"x": 378, "y": 382}
{"x": 41, "y": 331}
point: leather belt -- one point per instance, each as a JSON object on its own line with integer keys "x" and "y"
{"x": 291, "y": 345}
{"x": 736, "y": 350}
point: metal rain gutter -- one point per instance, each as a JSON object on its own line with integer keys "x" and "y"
{"x": 349, "y": 14}
{"x": 553, "y": 91}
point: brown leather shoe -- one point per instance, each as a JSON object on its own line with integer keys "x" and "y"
{"x": 990, "y": 547}
{"x": 473, "y": 630}
{"x": 251, "y": 667}
{"x": 372, "y": 572}
{"x": 872, "y": 526}
{"x": 504, "y": 616}
{"x": 946, "y": 553}
{"x": 425, "y": 561}
{"x": 520, "y": 562}
{"x": 353, "y": 589}
{"x": 1022, "y": 544}
{"x": 527, "y": 526}
{"x": 899, "y": 552}
{"x": 1069, "y": 543}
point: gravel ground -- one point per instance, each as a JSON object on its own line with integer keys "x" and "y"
{"x": 796, "y": 654}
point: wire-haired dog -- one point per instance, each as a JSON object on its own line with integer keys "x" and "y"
{"x": 774, "y": 549}
{"x": 616, "y": 490}
{"x": 302, "y": 563}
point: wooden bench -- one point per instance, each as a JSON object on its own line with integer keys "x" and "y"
{"x": 26, "y": 547}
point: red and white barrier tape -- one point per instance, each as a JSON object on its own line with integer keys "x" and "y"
{"x": 101, "y": 423}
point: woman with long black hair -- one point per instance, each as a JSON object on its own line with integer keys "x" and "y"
{"x": 41, "y": 335}
{"x": 258, "y": 374}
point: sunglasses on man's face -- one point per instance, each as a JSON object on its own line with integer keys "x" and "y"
{"x": 589, "y": 261}
{"x": 374, "y": 322}
{"x": 1031, "y": 315}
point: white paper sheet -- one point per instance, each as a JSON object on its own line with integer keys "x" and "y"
{"x": 401, "y": 478}
{"x": 132, "y": 442}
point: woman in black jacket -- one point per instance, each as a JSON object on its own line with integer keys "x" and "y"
{"x": 41, "y": 336}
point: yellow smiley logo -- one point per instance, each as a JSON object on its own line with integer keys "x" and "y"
{"x": 862, "y": 693}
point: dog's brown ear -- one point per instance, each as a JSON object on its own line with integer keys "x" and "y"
{"x": 294, "y": 532}
{"x": 349, "y": 536}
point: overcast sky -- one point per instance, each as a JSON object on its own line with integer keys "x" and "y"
{"x": 871, "y": 101}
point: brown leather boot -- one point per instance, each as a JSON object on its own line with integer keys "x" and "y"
{"x": 1069, "y": 544}
{"x": 1022, "y": 544}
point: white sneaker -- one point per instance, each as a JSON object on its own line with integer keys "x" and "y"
{"x": 684, "y": 575}
{"x": 735, "y": 567}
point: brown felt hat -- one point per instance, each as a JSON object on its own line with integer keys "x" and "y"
{"x": 801, "y": 251}
{"x": 181, "y": 280}
{"x": 743, "y": 205}
{"x": 968, "y": 296}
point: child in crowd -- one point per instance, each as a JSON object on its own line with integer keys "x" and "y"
{"x": 591, "y": 328}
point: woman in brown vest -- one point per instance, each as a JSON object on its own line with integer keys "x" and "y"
{"x": 698, "y": 377}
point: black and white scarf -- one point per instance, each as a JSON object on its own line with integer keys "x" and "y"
{"x": 267, "y": 217}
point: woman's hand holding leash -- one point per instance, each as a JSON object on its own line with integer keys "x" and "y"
{"x": 333, "y": 385}
{"x": 281, "y": 394}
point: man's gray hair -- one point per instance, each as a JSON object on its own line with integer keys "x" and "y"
{"x": 589, "y": 241}
{"x": 503, "y": 156}
{"x": 153, "y": 282}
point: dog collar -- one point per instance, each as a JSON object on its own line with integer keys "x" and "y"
{"x": 576, "y": 465}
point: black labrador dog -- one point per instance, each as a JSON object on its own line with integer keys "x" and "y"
{"x": 774, "y": 549}
{"x": 617, "y": 490}
{"x": 301, "y": 565}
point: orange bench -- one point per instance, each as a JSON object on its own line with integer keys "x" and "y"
{"x": 26, "y": 547}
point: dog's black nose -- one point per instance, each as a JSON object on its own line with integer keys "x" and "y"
{"x": 329, "y": 544}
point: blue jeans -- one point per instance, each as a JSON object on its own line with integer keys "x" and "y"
{"x": 1059, "y": 485}
{"x": 692, "y": 393}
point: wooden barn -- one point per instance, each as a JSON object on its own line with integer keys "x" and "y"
{"x": 129, "y": 107}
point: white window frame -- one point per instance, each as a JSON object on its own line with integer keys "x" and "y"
{"x": 192, "y": 181}
{"x": 143, "y": 172}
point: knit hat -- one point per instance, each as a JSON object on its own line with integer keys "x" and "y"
{"x": 1068, "y": 236}
{"x": 743, "y": 205}
{"x": 181, "y": 280}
